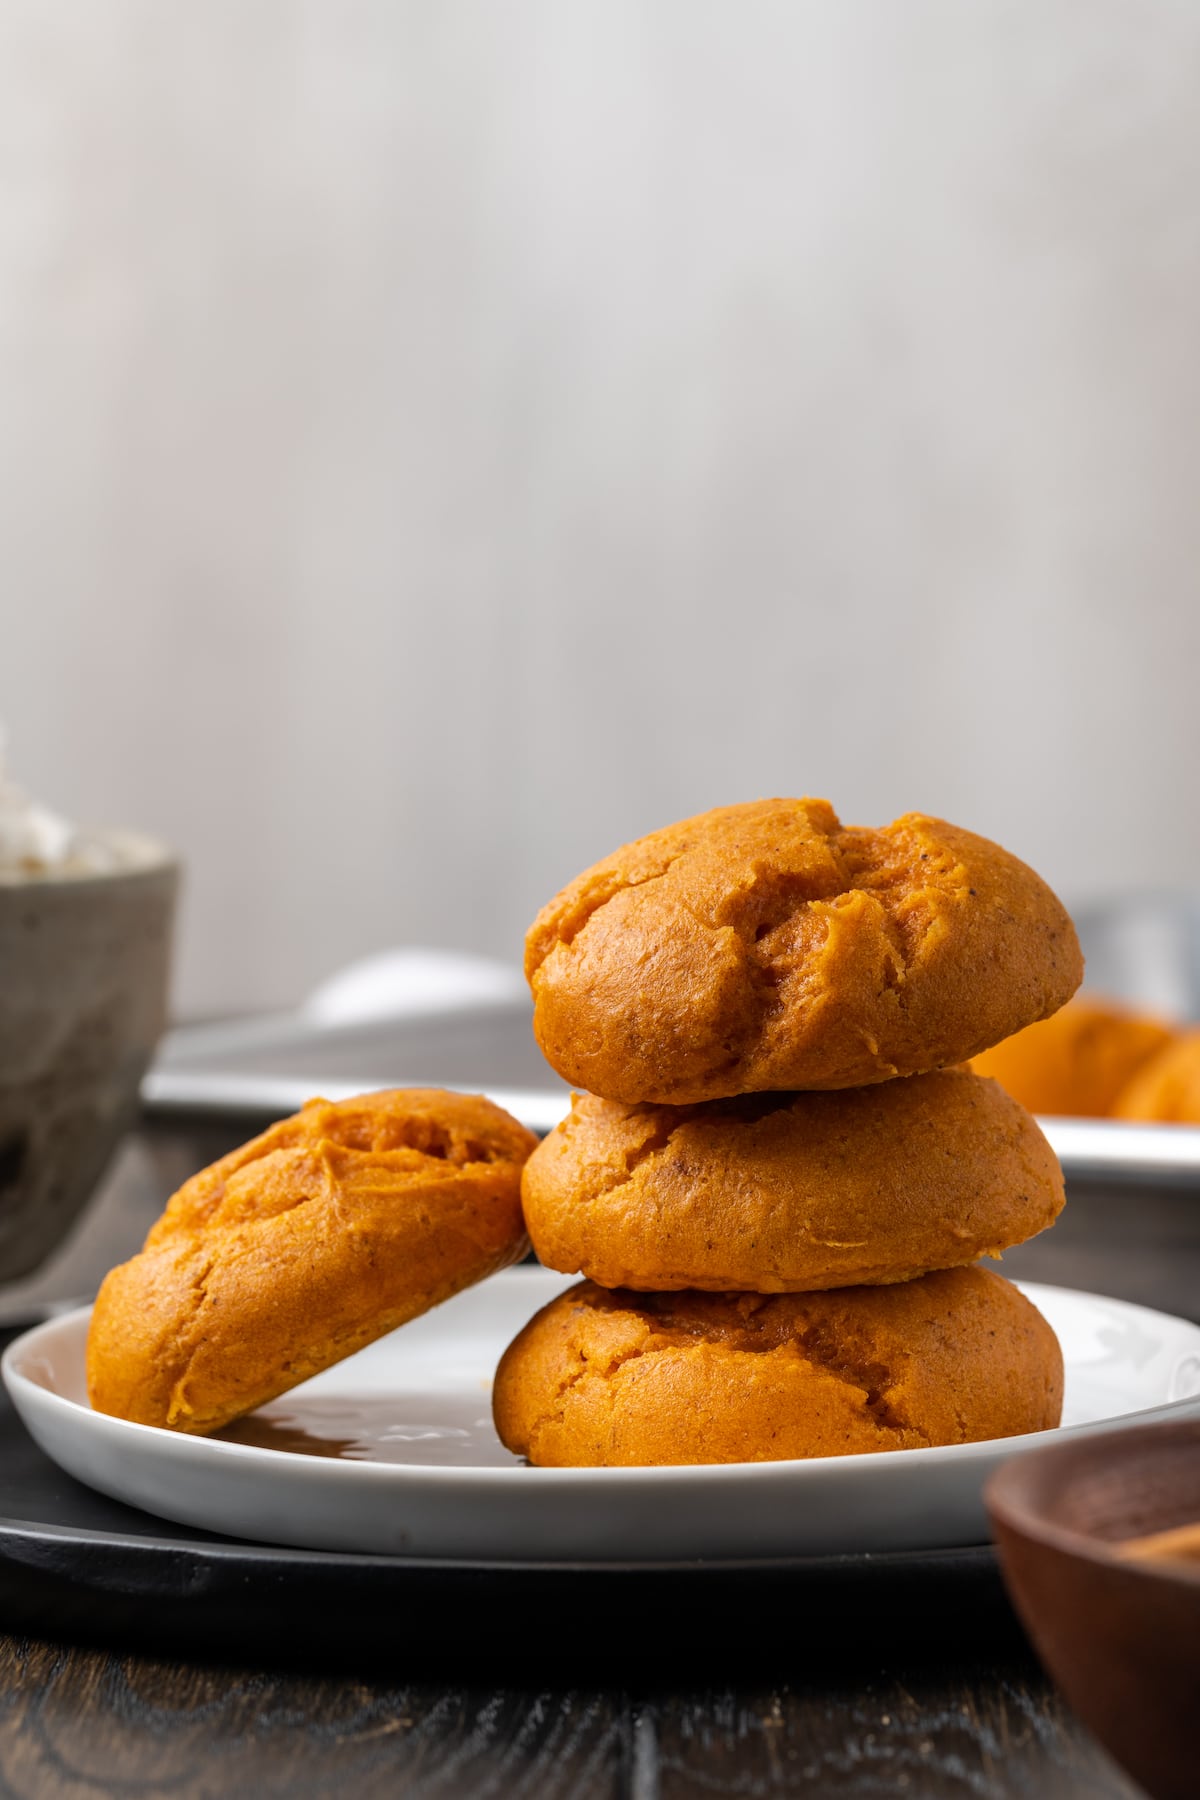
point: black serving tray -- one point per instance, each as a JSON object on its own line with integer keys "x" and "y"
{"x": 77, "y": 1565}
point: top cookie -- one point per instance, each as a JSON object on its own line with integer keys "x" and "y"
{"x": 767, "y": 946}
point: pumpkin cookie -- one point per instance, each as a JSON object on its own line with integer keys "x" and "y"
{"x": 1167, "y": 1088}
{"x": 766, "y": 946}
{"x": 1076, "y": 1062}
{"x": 774, "y": 1193}
{"x": 599, "y": 1379}
{"x": 332, "y": 1228}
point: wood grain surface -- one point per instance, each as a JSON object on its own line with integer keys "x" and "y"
{"x": 77, "y": 1724}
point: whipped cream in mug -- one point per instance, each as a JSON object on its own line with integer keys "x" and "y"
{"x": 36, "y": 842}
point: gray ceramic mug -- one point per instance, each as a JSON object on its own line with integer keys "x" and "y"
{"x": 84, "y": 966}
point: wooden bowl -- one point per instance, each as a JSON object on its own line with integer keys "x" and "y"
{"x": 1119, "y": 1629}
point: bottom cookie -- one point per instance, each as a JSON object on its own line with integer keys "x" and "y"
{"x": 601, "y": 1378}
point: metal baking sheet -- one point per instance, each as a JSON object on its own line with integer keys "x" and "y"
{"x": 1112, "y": 1150}
{"x": 264, "y": 1069}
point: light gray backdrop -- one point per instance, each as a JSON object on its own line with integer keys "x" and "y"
{"x": 439, "y": 441}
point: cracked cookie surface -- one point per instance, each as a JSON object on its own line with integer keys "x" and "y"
{"x": 330, "y": 1229}
{"x": 600, "y": 1379}
{"x": 767, "y": 946}
{"x": 773, "y": 1193}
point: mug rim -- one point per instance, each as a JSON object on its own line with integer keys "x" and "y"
{"x": 140, "y": 854}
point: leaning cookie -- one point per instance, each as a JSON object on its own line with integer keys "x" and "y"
{"x": 776, "y": 1193}
{"x": 599, "y": 1379}
{"x": 332, "y": 1228}
{"x": 767, "y": 946}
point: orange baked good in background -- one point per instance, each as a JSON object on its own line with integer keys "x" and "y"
{"x": 600, "y": 1379}
{"x": 1167, "y": 1088}
{"x": 765, "y": 946}
{"x": 1077, "y": 1061}
{"x": 332, "y": 1228}
{"x": 784, "y": 1192}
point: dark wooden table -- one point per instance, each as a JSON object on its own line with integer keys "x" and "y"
{"x": 769, "y": 1713}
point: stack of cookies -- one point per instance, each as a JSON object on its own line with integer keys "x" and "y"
{"x": 778, "y": 1182}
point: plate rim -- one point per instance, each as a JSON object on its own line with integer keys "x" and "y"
{"x": 23, "y": 1390}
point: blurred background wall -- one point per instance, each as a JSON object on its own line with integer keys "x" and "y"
{"x": 439, "y": 441}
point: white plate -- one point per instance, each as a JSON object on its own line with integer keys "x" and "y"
{"x": 457, "y": 1493}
